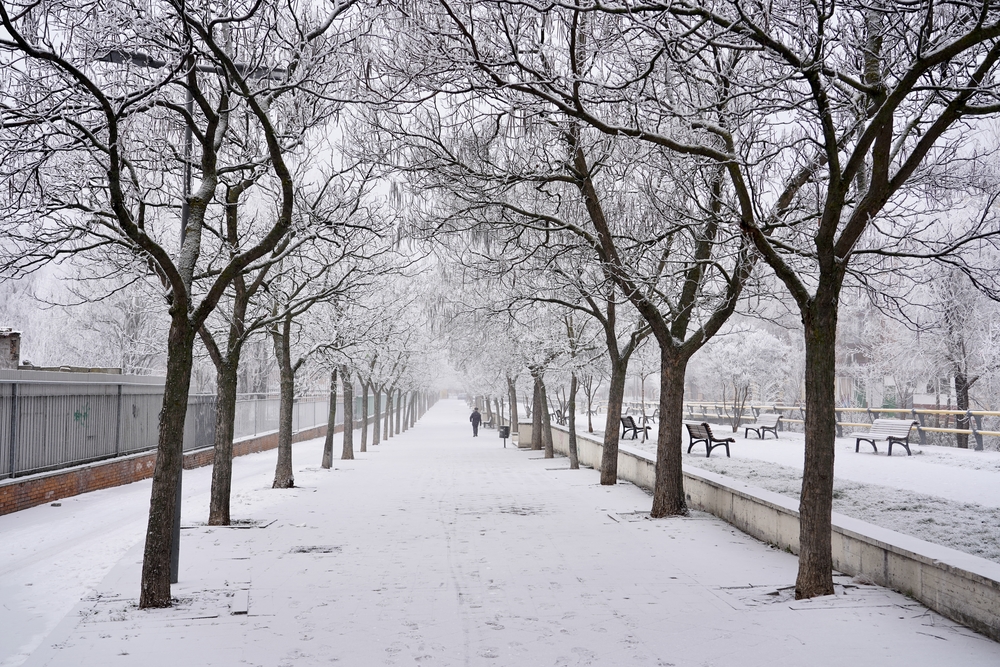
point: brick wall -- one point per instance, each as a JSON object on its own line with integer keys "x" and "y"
{"x": 22, "y": 493}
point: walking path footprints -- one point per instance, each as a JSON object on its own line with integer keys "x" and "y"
{"x": 439, "y": 549}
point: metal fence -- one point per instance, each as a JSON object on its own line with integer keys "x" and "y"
{"x": 56, "y": 420}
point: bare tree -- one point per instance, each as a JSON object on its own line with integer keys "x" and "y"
{"x": 124, "y": 177}
{"x": 876, "y": 94}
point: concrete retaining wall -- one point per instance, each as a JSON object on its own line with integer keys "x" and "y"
{"x": 957, "y": 585}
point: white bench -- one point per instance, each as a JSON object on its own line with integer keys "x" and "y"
{"x": 893, "y": 431}
{"x": 766, "y": 421}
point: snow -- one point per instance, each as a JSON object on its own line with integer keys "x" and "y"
{"x": 943, "y": 495}
{"x": 436, "y": 548}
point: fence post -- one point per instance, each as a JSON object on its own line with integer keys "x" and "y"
{"x": 840, "y": 429}
{"x": 13, "y": 428}
{"x": 976, "y": 426}
{"x": 920, "y": 426}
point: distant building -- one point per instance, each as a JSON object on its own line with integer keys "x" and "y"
{"x": 10, "y": 348}
{"x": 10, "y": 357}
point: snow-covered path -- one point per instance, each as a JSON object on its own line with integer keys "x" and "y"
{"x": 440, "y": 549}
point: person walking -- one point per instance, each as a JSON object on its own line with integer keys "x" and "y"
{"x": 476, "y": 418}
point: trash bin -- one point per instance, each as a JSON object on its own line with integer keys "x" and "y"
{"x": 504, "y": 432}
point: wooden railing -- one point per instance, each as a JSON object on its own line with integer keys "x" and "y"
{"x": 797, "y": 416}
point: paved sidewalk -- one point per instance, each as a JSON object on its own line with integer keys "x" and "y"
{"x": 437, "y": 548}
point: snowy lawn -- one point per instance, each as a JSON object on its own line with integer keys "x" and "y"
{"x": 437, "y": 548}
{"x": 944, "y": 495}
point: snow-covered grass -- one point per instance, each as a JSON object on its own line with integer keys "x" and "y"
{"x": 944, "y": 495}
{"x": 968, "y": 527}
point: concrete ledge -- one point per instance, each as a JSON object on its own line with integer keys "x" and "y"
{"x": 957, "y": 585}
{"x": 23, "y": 492}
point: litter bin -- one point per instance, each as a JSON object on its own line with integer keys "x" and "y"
{"x": 504, "y": 432}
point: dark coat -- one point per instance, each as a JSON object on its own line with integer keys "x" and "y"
{"x": 476, "y": 418}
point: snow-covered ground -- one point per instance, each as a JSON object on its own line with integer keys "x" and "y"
{"x": 437, "y": 549}
{"x": 944, "y": 495}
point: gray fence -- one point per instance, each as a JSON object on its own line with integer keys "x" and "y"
{"x": 54, "y": 420}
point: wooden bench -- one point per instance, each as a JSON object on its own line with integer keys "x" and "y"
{"x": 893, "y": 431}
{"x": 489, "y": 423}
{"x": 767, "y": 422}
{"x": 702, "y": 432}
{"x": 628, "y": 424}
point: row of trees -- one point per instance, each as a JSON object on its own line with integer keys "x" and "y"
{"x": 617, "y": 172}
{"x": 192, "y": 156}
{"x": 682, "y": 156}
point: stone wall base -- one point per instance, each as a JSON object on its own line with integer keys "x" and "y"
{"x": 24, "y": 492}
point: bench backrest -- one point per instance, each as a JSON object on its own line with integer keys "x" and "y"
{"x": 897, "y": 428}
{"x": 628, "y": 422}
{"x": 767, "y": 419}
{"x": 698, "y": 431}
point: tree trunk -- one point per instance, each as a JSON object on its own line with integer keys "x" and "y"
{"x": 399, "y": 411}
{"x": 590, "y": 409}
{"x": 668, "y": 490}
{"x": 226, "y": 379}
{"x": 498, "y": 412}
{"x": 962, "y": 385}
{"x": 364, "y": 416}
{"x": 331, "y": 423}
{"x": 348, "y": 450}
{"x": 536, "y": 415}
{"x": 155, "y": 587}
{"x": 512, "y": 392}
{"x": 387, "y": 422}
{"x": 377, "y": 417}
{"x": 284, "y": 476}
{"x": 616, "y": 396}
{"x": 546, "y": 420}
{"x": 574, "y": 460}
{"x": 815, "y": 576}
{"x": 407, "y": 408}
